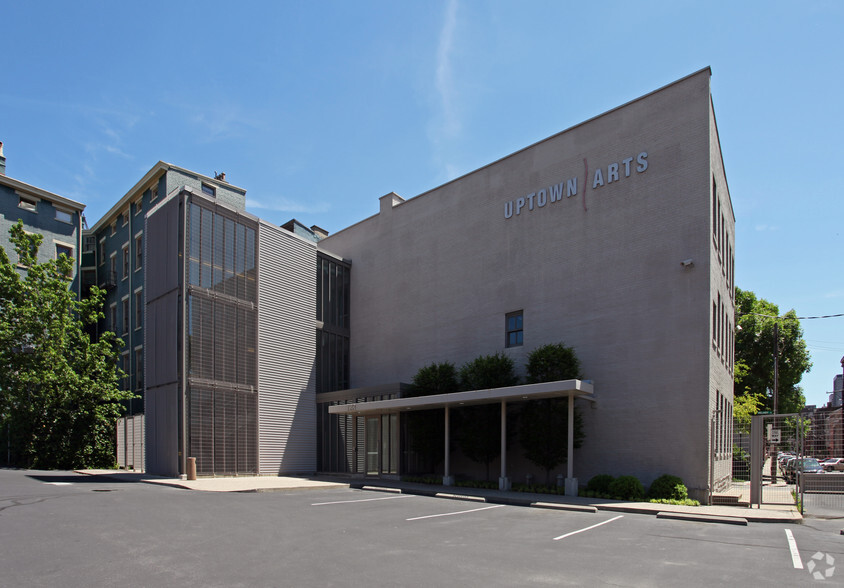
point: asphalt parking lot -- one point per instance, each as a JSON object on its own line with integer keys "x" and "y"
{"x": 66, "y": 529}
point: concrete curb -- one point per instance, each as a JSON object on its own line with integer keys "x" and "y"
{"x": 658, "y": 510}
{"x": 702, "y": 518}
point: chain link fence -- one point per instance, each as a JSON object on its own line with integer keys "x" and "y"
{"x": 801, "y": 457}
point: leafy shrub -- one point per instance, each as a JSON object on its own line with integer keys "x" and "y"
{"x": 422, "y": 479}
{"x": 684, "y": 502}
{"x": 668, "y": 487}
{"x": 627, "y": 488}
{"x": 538, "y": 489}
{"x": 600, "y": 484}
{"x": 477, "y": 484}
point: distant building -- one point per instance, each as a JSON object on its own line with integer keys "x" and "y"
{"x": 56, "y": 218}
{"x": 835, "y": 399}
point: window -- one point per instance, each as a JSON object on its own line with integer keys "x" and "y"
{"x": 124, "y": 365}
{"x": 139, "y": 251}
{"x": 125, "y": 261}
{"x": 139, "y": 308}
{"x": 153, "y": 192}
{"x": 514, "y": 330}
{"x": 124, "y": 218}
{"x": 64, "y": 216}
{"x": 112, "y": 267}
{"x": 125, "y": 304}
{"x": 89, "y": 244}
{"x": 139, "y": 205}
{"x": 210, "y": 190}
{"x": 113, "y": 227}
{"x": 27, "y": 203}
{"x": 112, "y": 317}
{"x": 102, "y": 252}
{"x": 66, "y": 249}
{"x": 139, "y": 368}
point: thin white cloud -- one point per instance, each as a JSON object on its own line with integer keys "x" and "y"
{"x": 219, "y": 121}
{"x": 285, "y": 205}
{"x": 444, "y": 79}
{"x": 763, "y": 228}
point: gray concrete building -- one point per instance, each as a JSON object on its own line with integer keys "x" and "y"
{"x": 616, "y": 237}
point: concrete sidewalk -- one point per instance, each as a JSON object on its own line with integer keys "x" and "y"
{"x": 721, "y": 514}
{"x": 234, "y": 484}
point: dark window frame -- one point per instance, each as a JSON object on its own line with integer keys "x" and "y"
{"x": 514, "y": 329}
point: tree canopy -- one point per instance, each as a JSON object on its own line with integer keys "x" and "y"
{"x": 59, "y": 390}
{"x": 426, "y": 428}
{"x": 479, "y": 427}
{"x": 754, "y": 353}
{"x": 544, "y": 423}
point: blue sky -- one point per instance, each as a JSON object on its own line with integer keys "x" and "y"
{"x": 319, "y": 108}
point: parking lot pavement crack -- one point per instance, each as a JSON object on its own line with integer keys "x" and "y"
{"x": 22, "y": 502}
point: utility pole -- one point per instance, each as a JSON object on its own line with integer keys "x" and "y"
{"x": 776, "y": 389}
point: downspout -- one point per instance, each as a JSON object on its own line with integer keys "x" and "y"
{"x": 131, "y": 271}
{"x": 183, "y": 444}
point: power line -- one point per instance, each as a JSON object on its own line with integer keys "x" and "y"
{"x": 800, "y": 318}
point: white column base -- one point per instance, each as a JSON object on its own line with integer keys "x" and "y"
{"x": 448, "y": 480}
{"x": 571, "y": 486}
{"x": 504, "y": 484}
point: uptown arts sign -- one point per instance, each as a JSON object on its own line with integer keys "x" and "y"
{"x": 613, "y": 172}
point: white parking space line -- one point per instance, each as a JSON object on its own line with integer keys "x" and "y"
{"x": 448, "y": 514}
{"x": 363, "y": 500}
{"x": 587, "y": 528}
{"x": 792, "y": 547}
{"x": 59, "y": 483}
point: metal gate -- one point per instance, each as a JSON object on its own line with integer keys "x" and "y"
{"x": 130, "y": 443}
{"x": 772, "y": 438}
{"x": 775, "y": 458}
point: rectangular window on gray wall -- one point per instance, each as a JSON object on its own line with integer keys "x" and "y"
{"x": 139, "y": 252}
{"x": 64, "y": 216}
{"x": 514, "y": 333}
{"x": 29, "y": 204}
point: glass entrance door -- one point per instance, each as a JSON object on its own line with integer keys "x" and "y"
{"x": 373, "y": 428}
{"x": 382, "y": 444}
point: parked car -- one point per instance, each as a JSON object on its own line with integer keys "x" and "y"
{"x": 784, "y": 457}
{"x": 806, "y": 465}
{"x": 833, "y": 464}
{"x": 784, "y": 463}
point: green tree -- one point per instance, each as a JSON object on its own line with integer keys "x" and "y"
{"x": 744, "y": 407}
{"x": 544, "y": 424}
{"x": 59, "y": 391}
{"x": 478, "y": 429}
{"x": 754, "y": 352}
{"x": 426, "y": 428}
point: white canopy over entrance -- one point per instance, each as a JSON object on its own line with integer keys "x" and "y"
{"x": 569, "y": 388}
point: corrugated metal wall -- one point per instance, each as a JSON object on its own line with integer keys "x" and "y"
{"x": 286, "y": 334}
{"x": 161, "y": 336}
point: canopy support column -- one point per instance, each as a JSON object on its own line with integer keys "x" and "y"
{"x": 571, "y": 481}
{"x": 448, "y": 479}
{"x": 503, "y": 480}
